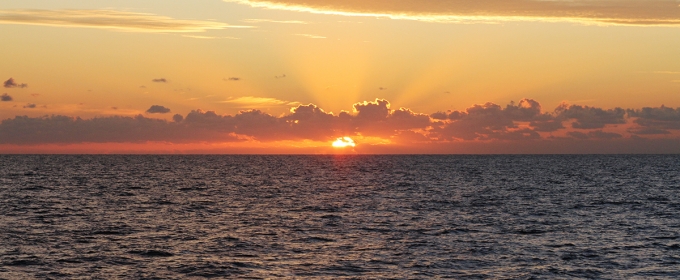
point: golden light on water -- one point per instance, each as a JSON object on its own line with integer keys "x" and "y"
{"x": 343, "y": 142}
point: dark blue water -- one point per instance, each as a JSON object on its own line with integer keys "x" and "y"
{"x": 461, "y": 217}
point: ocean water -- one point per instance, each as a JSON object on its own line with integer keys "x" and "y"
{"x": 335, "y": 217}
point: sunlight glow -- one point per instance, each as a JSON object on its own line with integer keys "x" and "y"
{"x": 343, "y": 142}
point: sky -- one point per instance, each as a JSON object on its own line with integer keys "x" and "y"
{"x": 293, "y": 76}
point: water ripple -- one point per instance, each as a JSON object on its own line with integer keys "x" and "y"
{"x": 353, "y": 217}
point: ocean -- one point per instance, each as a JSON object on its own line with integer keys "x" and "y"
{"x": 340, "y": 216}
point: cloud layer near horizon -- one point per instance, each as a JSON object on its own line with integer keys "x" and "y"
{"x": 110, "y": 19}
{"x": 633, "y": 12}
{"x": 489, "y": 123}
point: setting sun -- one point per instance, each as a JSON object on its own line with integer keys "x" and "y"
{"x": 343, "y": 142}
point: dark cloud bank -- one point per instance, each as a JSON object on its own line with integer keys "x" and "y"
{"x": 521, "y": 127}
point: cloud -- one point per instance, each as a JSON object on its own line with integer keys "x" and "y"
{"x": 578, "y": 135}
{"x": 177, "y": 118}
{"x": 662, "y": 114}
{"x": 311, "y": 36}
{"x": 657, "y": 120}
{"x": 491, "y": 121}
{"x": 109, "y": 19}
{"x": 233, "y": 79}
{"x": 376, "y": 118}
{"x": 547, "y": 125}
{"x": 30, "y": 106}
{"x": 158, "y": 109}
{"x": 116, "y": 129}
{"x": 648, "y": 131}
{"x": 311, "y": 122}
{"x": 624, "y": 12}
{"x": 200, "y": 37}
{"x": 591, "y": 118}
{"x": 257, "y": 102}
{"x": 597, "y": 134}
{"x": 257, "y": 20}
{"x": 5, "y": 97}
{"x": 476, "y": 122}
{"x": 280, "y": 77}
{"x": 522, "y": 122}
{"x": 210, "y": 37}
{"x": 160, "y": 80}
{"x": 372, "y": 111}
{"x": 12, "y": 84}
{"x": 305, "y": 122}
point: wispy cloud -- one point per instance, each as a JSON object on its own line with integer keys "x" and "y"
{"x": 258, "y": 20}
{"x": 210, "y": 37}
{"x": 160, "y": 80}
{"x": 109, "y": 19}
{"x": 624, "y": 12}
{"x": 311, "y": 36}
{"x": 6, "y": 97}
{"x": 199, "y": 37}
{"x": 257, "y": 102}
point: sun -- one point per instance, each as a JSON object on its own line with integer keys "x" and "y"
{"x": 344, "y": 142}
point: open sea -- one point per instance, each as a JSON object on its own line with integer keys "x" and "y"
{"x": 340, "y": 217}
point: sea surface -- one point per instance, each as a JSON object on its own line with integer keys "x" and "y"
{"x": 335, "y": 217}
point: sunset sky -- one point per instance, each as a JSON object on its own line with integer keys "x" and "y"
{"x": 293, "y": 76}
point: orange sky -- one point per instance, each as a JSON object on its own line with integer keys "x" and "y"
{"x": 288, "y": 76}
